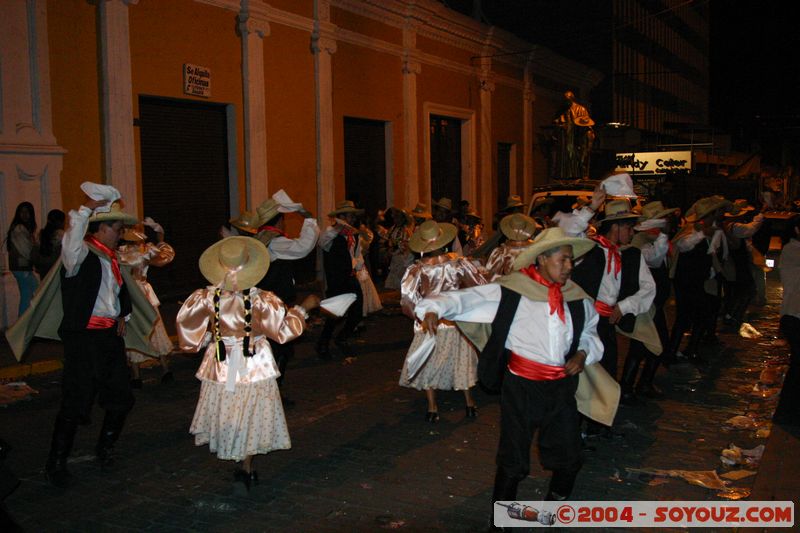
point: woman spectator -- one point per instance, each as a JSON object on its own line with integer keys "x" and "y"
{"x": 20, "y": 241}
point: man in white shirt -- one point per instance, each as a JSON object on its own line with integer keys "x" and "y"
{"x": 788, "y": 410}
{"x": 96, "y": 306}
{"x": 543, "y": 333}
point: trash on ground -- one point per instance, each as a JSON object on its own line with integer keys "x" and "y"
{"x": 703, "y": 478}
{"x": 735, "y": 475}
{"x": 743, "y": 422}
{"x": 770, "y": 376}
{"x": 747, "y": 331}
{"x": 349, "y": 360}
{"x": 733, "y": 455}
{"x": 762, "y": 433}
{"x": 734, "y": 493}
{"x": 15, "y": 392}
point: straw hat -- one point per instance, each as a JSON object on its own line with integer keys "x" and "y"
{"x": 472, "y": 212}
{"x": 235, "y": 263}
{"x": 267, "y": 211}
{"x": 444, "y": 203}
{"x": 740, "y": 207}
{"x": 549, "y": 239}
{"x": 513, "y": 201}
{"x": 247, "y": 221}
{"x": 653, "y": 210}
{"x": 431, "y": 235}
{"x": 134, "y": 234}
{"x": 113, "y": 214}
{"x": 346, "y": 206}
{"x": 706, "y": 206}
{"x": 421, "y": 211}
{"x": 518, "y": 227}
{"x": 617, "y": 210}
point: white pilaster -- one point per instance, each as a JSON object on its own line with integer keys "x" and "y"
{"x": 115, "y": 62}
{"x": 323, "y": 45}
{"x": 487, "y": 205}
{"x": 253, "y": 29}
{"x": 528, "y": 98}
{"x": 411, "y": 67}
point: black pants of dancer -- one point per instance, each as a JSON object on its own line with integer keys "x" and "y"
{"x": 351, "y": 320}
{"x": 549, "y": 406}
{"x": 788, "y": 410}
{"x": 95, "y": 366}
{"x": 282, "y": 353}
{"x": 608, "y": 335}
{"x": 638, "y": 352}
{"x": 688, "y": 307}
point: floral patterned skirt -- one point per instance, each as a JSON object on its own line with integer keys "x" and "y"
{"x": 247, "y": 421}
{"x": 453, "y": 365}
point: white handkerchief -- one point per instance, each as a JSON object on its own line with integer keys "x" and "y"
{"x": 338, "y": 305}
{"x": 417, "y": 359}
{"x": 620, "y": 185}
{"x": 97, "y": 191}
{"x": 286, "y": 203}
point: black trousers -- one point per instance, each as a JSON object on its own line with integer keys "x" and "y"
{"x": 548, "y": 406}
{"x": 351, "y": 318}
{"x": 608, "y": 335}
{"x": 282, "y": 353}
{"x": 788, "y": 410}
{"x": 95, "y": 366}
{"x": 688, "y": 308}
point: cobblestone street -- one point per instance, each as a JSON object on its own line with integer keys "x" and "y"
{"x": 364, "y": 459}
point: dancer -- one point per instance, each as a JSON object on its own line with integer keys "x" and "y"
{"x": 239, "y": 412}
{"x": 518, "y": 230}
{"x": 140, "y": 255}
{"x": 453, "y": 365}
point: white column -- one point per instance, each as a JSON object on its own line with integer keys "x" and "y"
{"x": 411, "y": 67}
{"x": 528, "y": 98}
{"x": 117, "y": 90}
{"x": 253, "y": 30}
{"x": 487, "y": 206}
{"x": 323, "y": 45}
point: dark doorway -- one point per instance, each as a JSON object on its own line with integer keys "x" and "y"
{"x": 502, "y": 187}
{"x": 365, "y": 163}
{"x": 184, "y": 152}
{"x": 446, "y": 158}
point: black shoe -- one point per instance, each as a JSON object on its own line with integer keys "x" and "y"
{"x": 629, "y": 399}
{"x": 344, "y": 346}
{"x": 241, "y": 482}
{"x": 168, "y": 377}
{"x": 323, "y": 352}
{"x": 136, "y": 383}
{"x": 253, "y": 478}
{"x": 432, "y": 417}
{"x": 650, "y": 392}
{"x": 58, "y": 475}
{"x": 472, "y": 411}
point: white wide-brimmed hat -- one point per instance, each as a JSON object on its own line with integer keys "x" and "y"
{"x": 247, "y": 221}
{"x": 518, "y": 227}
{"x": 549, "y": 239}
{"x": 617, "y": 210}
{"x": 235, "y": 263}
{"x": 346, "y": 206}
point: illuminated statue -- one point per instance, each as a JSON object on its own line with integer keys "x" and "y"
{"x": 574, "y": 137}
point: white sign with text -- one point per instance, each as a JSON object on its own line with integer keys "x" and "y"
{"x": 196, "y": 80}
{"x": 653, "y": 162}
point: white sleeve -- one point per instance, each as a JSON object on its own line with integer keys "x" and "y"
{"x": 655, "y": 252}
{"x": 327, "y": 237}
{"x": 685, "y": 244}
{"x": 285, "y": 248}
{"x": 746, "y": 231}
{"x": 641, "y": 301}
{"x": 476, "y": 304}
{"x": 590, "y": 341}
{"x": 73, "y": 247}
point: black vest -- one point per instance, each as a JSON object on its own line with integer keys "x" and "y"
{"x": 79, "y": 294}
{"x": 693, "y": 267}
{"x": 493, "y": 360}
{"x": 280, "y": 280}
{"x": 339, "y": 275}
{"x": 588, "y": 274}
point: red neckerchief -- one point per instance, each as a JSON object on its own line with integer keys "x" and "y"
{"x": 273, "y": 229}
{"x": 349, "y": 234}
{"x": 108, "y": 252}
{"x": 554, "y": 295}
{"x": 613, "y": 254}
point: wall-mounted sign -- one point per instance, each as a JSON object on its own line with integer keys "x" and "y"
{"x": 196, "y": 80}
{"x": 654, "y": 162}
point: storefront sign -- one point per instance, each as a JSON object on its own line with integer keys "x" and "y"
{"x": 196, "y": 80}
{"x": 654, "y": 162}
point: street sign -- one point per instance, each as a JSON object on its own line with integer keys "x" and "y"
{"x": 653, "y": 163}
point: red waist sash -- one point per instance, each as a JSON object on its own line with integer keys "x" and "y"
{"x": 532, "y": 370}
{"x": 101, "y": 322}
{"x": 603, "y": 309}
